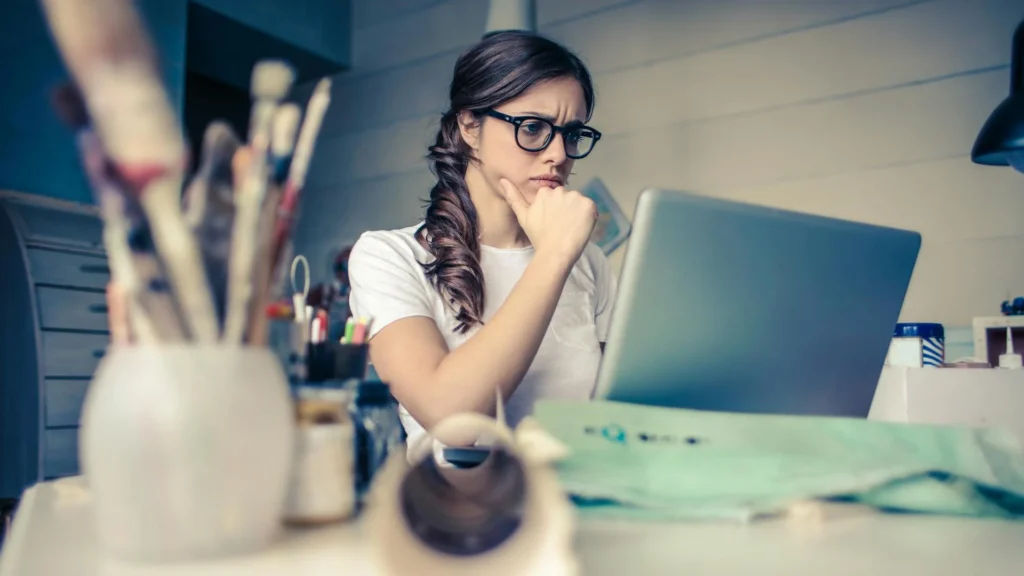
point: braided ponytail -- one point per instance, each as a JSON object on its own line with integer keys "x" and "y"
{"x": 449, "y": 231}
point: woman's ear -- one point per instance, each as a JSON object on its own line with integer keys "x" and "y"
{"x": 469, "y": 127}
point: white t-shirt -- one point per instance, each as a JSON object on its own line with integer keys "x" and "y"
{"x": 388, "y": 284}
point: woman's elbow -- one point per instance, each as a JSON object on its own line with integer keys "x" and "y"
{"x": 432, "y": 408}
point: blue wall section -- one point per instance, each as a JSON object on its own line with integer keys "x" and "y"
{"x": 37, "y": 153}
{"x": 224, "y": 48}
{"x": 320, "y": 26}
{"x": 166, "y": 20}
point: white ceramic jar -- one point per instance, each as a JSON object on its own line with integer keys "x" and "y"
{"x": 187, "y": 450}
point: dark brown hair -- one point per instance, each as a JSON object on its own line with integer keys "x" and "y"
{"x": 497, "y": 69}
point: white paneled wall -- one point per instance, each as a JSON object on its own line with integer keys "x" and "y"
{"x": 860, "y": 109}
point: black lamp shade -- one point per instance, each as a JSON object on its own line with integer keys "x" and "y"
{"x": 1003, "y": 132}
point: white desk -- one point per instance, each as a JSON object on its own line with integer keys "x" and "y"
{"x": 53, "y": 536}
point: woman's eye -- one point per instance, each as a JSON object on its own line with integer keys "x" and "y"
{"x": 533, "y": 127}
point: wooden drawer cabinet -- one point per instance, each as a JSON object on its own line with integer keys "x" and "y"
{"x": 54, "y": 333}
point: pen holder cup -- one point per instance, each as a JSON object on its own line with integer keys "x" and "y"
{"x": 336, "y": 361}
{"x": 187, "y": 450}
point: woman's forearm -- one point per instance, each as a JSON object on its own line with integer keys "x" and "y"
{"x": 499, "y": 354}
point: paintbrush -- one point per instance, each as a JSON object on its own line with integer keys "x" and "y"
{"x": 282, "y": 141}
{"x": 285, "y": 126}
{"x": 218, "y": 147}
{"x": 135, "y": 267}
{"x": 108, "y": 53}
{"x": 117, "y": 315}
{"x": 67, "y": 102}
{"x": 315, "y": 111}
{"x": 210, "y": 208}
{"x": 271, "y": 81}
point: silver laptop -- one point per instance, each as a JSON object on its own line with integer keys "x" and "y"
{"x": 743, "y": 308}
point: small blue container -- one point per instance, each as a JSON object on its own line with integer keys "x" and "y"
{"x": 917, "y": 344}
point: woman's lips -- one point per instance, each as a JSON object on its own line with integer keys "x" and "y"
{"x": 547, "y": 182}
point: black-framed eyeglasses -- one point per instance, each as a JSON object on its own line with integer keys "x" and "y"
{"x": 534, "y": 134}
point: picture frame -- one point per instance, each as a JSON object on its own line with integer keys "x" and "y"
{"x": 613, "y": 228}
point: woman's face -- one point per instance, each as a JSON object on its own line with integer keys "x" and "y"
{"x": 494, "y": 140}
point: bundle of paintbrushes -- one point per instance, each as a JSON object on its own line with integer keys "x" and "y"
{"x": 195, "y": 263}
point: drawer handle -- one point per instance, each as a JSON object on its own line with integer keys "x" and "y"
{"x": 98, "y": 308}
{"x": 94, "y": 269}
{"x": 99, "y": 353}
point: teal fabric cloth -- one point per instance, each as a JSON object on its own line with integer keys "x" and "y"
{"x": 646, "y": 462}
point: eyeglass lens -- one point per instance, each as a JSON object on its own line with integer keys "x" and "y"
{"x": 534, "y": 135}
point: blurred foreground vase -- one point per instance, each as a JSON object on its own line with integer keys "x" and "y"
{"x": 187, "y": 450}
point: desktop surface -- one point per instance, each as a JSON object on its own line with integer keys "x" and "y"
{"x": 54, "y": 536}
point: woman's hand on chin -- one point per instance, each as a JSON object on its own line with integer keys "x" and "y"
{"x": 558, "y": 222}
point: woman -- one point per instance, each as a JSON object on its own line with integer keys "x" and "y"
{"x": 498, "y": 289}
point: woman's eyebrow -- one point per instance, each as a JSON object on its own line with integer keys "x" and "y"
{"x": 549, "y": 117}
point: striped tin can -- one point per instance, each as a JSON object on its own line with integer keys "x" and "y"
{"x": 919, "y": 345}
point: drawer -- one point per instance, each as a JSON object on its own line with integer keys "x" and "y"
{"x": 68, "y": 269}
{"x": 48, "y": 224}
{"x": 64, "y": 399}
{"x": 71, "y": 309}
{"x": 60, "y": 453}
{"x": 71, "y": 354}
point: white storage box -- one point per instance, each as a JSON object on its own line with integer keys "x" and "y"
{"x": 984, "y": 397}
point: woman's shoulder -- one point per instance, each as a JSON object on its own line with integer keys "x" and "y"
{"x": 397, "y": 244}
